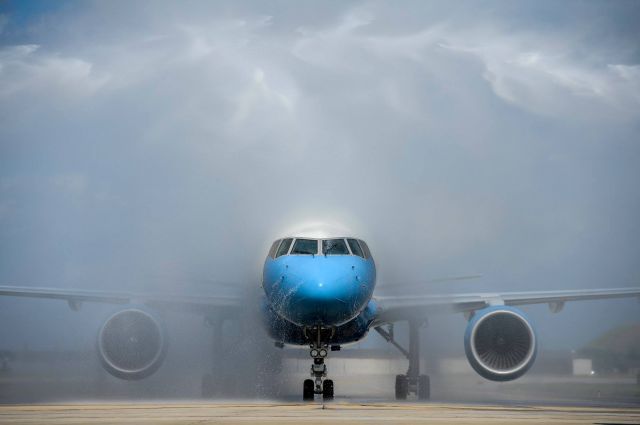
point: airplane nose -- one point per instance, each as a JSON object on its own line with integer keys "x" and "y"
{"x": 323, "y": 298}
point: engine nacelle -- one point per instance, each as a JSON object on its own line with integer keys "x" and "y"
{"x": 132, "y": 344}
{"x": 500, "y": 343}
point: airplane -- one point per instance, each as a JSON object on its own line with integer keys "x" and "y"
{"x": 319, "y": 292}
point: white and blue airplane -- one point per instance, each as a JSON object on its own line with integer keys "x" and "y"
{"x": 319, "y": 292}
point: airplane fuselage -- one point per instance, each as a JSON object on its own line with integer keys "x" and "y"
{"x": 319, "y": 289}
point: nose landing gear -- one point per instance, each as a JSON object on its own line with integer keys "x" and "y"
{"x": 318, "y": 385}
{"x": 318, "y": 351}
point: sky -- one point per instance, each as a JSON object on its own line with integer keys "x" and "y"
{"x": 162, "y": 145}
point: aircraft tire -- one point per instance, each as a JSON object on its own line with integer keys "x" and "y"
{"x": 308, "y": 390}
{"x": 327, "y": 390}
{"x": 424, "y": 387}
{"x": 402, "y": 387}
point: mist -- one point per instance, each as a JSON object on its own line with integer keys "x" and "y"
{"x": 162, "y": 146}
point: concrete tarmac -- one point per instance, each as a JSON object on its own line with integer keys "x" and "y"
{"x": 313, "y": 413}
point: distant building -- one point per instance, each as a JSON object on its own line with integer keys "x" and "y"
{"x": 616, "y": 351}
{"x": 582, "y": 367}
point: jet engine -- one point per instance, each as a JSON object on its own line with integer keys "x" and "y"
{"x": 500, "y": 343}
{"x": 132, "y": 344}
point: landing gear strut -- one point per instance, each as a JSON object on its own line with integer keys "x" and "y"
{"x": 412, "y": 382}
{"x": 318, "y": 351}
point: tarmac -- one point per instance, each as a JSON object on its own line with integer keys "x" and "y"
{"x": 69, "y": 397}
{"x": 312, "y": 413}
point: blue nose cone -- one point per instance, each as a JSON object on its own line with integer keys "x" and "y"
{"x": 320, "y": 291}
{"x": 324, "y": 300}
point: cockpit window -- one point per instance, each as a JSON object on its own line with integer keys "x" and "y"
{"x": 305, "y": 247}
{"x": 334, "y": 247}
{"x": 284, "y": 247}
{"x": 272, "y": 250}
{"x": 355, "y": 247}
{"x": 365, "y": 248}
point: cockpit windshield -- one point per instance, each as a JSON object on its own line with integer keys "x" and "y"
{"x": 334, "y": 247}
{"x": 305, "y": 247}
{"x": 308, "y": 246}
{"x": 355, "y": 247}
{"x": 284, "y": 247}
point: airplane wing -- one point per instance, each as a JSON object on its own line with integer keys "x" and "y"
{"x": 396, "y": 308}
{"x": 75, "y": 298}
{"x": 412, "y": 286}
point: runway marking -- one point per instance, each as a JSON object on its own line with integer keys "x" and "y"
{"x": 346, "y": 413}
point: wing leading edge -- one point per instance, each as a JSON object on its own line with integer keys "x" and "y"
{"x": 77, "y": 296}
{"x": 396, "y": 308}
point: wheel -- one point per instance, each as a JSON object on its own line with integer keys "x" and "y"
{"x": 402, "y": 387}
{"x": 327, "y": 390}
{"x": 308, "y": 390}
{"x": 424, "y": 387}
{"x": 208, "y": 386}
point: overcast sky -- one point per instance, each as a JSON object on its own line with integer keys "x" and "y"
{"x": 150, "y": 143}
